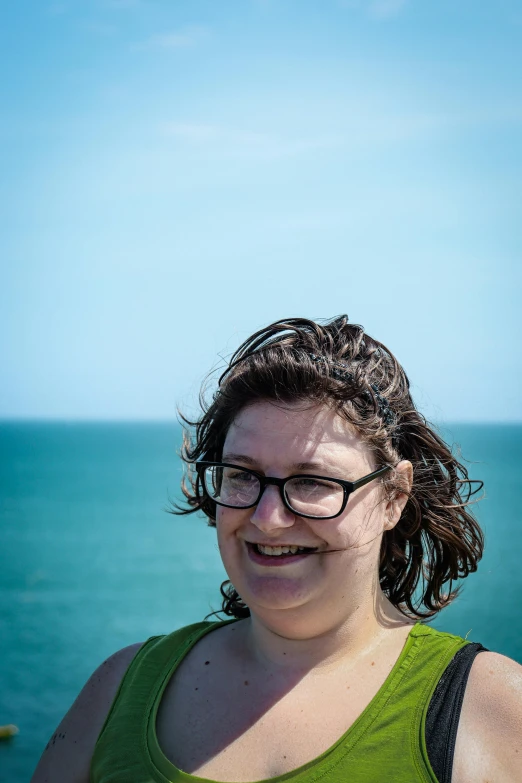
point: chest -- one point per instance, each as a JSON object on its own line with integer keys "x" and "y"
{"x": 244, "y": 728}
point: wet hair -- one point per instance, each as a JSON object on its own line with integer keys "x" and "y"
{"x": 437, "y": 541}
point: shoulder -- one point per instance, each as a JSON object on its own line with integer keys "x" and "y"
{"x": 489, "y": 738}
{"x": 68, "y": 753}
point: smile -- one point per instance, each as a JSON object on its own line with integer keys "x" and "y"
{"x": 266, "y": 555}
{"x": 278, "y": 551}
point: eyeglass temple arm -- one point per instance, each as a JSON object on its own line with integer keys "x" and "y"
{"x": 361, "y": 482}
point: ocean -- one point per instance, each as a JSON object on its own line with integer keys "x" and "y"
{"x": 91, "y": 561}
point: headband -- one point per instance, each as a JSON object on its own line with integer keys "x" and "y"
{"x": 339, "y": 372}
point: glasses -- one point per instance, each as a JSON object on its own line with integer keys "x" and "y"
{"x": 312, "y": 497}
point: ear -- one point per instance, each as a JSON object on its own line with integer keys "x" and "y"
{"x": 403, "y": 475}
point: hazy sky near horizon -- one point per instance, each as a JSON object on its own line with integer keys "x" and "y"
{"x": 176, "y": 175}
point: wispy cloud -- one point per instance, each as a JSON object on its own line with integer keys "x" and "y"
{"x": 57, "y": 9}
{"x": 183, "y": 38}
{"x": 99, "y": 28}
{"x": 122, "y": 4}
{"x": 60, "y": 7}
{"x": 385, "y": 9}
{"x": 376, "y": 9}
{"x": 237, "y": 141}
{"x": 356, "y": 128}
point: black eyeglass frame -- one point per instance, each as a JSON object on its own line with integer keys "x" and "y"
{"x": 264, "y": 481}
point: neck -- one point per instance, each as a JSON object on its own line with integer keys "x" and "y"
{"x": 288, "y": 639}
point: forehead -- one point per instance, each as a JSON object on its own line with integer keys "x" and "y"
{"x": 283, "y": 436}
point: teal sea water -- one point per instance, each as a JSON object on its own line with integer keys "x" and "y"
{"x": 90, "y": 561}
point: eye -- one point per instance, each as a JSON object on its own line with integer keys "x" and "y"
{"x": 312, "y": 486}
{"x": 308, "y": 483}
{"x": 312, "y": 483}
{"x": 240, "y": 476}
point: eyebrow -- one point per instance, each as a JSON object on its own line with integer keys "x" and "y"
{"x": 295, "y": 466}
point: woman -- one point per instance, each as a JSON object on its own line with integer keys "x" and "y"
{"x": 342, "y": 520}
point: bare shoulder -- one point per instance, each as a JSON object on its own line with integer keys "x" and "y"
{"x": 68, "y": 753}
{"x": 489, "y": 738}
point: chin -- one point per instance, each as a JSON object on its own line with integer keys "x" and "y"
{"x": 276, "y": 593}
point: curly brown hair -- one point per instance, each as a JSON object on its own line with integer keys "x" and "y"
{"x": 437, "y": 540}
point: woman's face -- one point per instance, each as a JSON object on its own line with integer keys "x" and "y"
{"x": 342, "y": 553}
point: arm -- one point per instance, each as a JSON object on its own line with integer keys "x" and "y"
{"x": 67, "y": 756}
{"x": 489, "y": 738}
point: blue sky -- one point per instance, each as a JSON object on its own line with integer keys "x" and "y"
{"x": 178, "y": 174}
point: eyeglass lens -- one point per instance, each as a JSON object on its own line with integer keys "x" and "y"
{"x": 305, "y": 495}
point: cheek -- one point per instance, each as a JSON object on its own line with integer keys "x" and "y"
{"x": 221, "y": 526}
{"x": 362, "y": 521}
{"x": 229, "y": 544}
{"x": 224, "y": 519}
{"x": 228, "y": 522}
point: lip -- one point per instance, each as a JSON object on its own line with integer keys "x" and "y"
{"x": 271, "y": 560}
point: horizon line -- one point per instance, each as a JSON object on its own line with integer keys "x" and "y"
{"x": 158, "y": 420}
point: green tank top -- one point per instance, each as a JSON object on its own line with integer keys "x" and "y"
{"x": 386, "y": 742}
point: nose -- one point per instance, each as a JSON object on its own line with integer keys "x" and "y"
{"x": 271, "y": 514}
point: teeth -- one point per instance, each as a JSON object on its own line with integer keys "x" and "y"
{"x": 275, "y": 551}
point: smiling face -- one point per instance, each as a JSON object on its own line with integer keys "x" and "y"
{"x": 341, "y": 559}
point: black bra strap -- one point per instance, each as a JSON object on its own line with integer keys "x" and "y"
{"x": 442, "y": 719}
